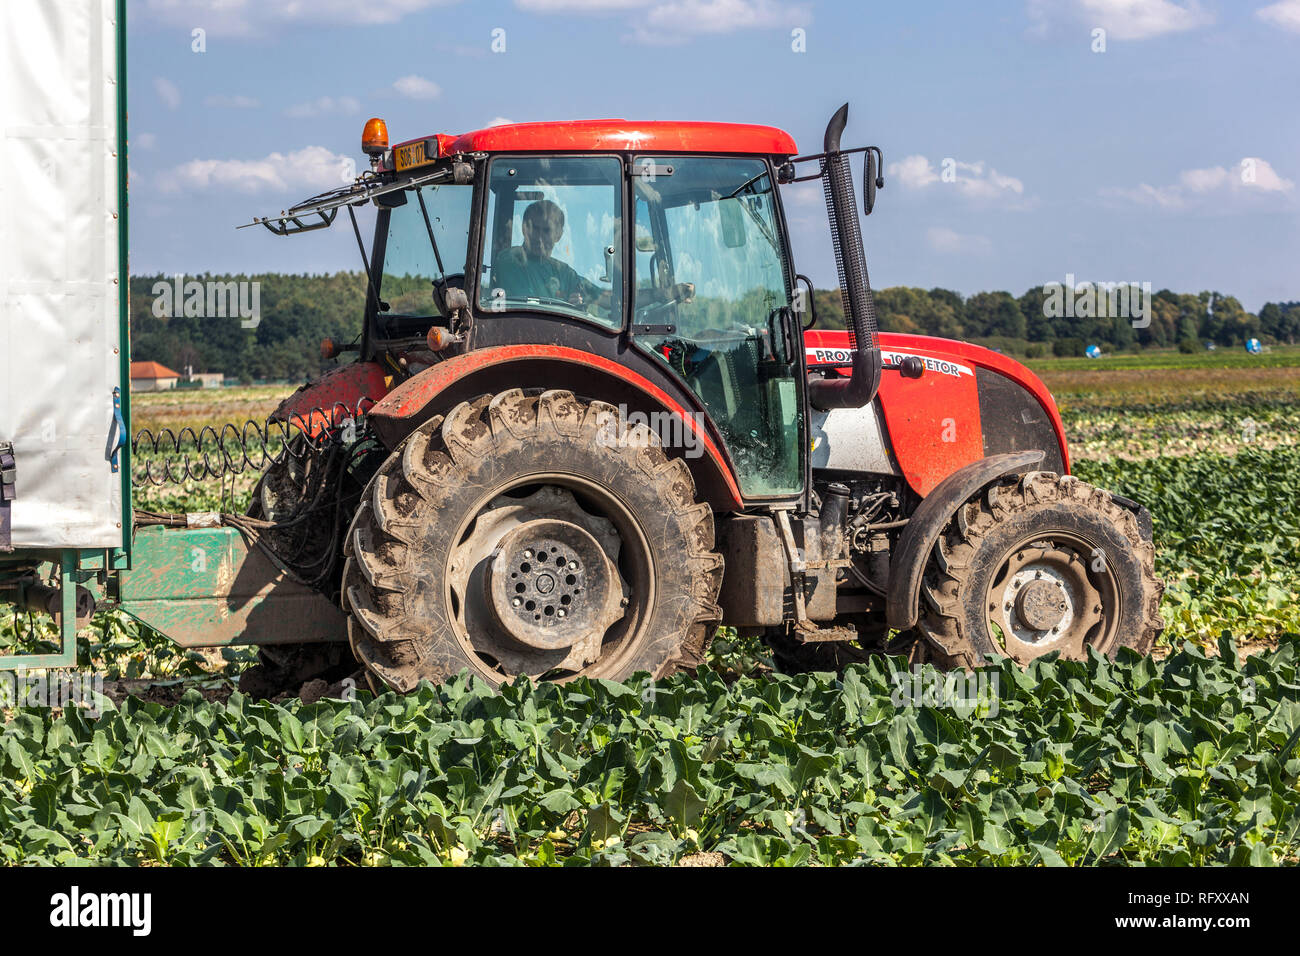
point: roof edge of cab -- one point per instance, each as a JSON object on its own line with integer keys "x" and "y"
{"x": 623, "y": 135}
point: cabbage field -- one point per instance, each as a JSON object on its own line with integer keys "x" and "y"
{"x": 1187, "y": 757}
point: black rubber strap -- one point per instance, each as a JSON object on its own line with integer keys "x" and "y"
{"x": 8, "y": 474}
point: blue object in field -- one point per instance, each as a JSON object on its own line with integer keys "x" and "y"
{"x": 1093, "y": 351}
{"x": 1253, "y": 346}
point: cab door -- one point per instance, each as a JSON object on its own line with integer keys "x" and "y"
{"x": 710, "y": 299}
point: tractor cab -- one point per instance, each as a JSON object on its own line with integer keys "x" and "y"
{"x": 660, "y": 245}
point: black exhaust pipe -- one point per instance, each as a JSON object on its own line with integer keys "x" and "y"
{"x": 855, "y": 288}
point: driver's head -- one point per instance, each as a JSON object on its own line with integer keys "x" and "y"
{"x": 543, "y": 225}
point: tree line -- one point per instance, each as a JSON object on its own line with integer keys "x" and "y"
{"x": 297, "y": 311}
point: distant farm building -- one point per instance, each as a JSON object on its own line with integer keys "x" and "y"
{"x": 208, "y": 379}
{"x": 152, "y": 377}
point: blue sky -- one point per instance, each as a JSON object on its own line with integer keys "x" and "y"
{"x": 1016, "y": 151}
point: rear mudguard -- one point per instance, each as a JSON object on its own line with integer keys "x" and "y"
{"x": 967, "y": 404}
{"x": 437, "y": 389}
{"x": 907, "y": 566}
{"x": 340, "y": 393}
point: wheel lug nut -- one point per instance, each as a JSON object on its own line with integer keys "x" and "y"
{"x": 528, "y": 553}
{"x": 560, "y": 613}
{"x": 516, "y": 602}
{"x": 573, "y": 565}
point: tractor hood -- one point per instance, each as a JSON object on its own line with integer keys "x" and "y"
{"x": 966, "y": 403}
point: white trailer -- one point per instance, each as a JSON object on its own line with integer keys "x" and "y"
{"x": 63, "y": 288}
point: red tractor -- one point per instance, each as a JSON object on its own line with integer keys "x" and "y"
{"x": 600, "y": 422}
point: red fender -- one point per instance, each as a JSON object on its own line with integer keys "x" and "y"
{"x": 401, "y": 410}
{"x": 340, "y": 393}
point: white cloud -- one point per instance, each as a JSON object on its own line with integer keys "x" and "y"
{"x": 499, "y": 121}
{"x": 1285, "y": 14}
{"x": 1203, "y": 180}
{"x": 809, "y": 194}
{"x": 662, "y": 22}
{"x": 677, "y": 21}
{"x": 1252, "y": 176}
{"x": 579, "y": 6}
{"x": 943, "y": 239}
{"x": 311, "y": 168}
{"x": 144, "y": 141}
{"x": 167, "y": 92}
{"x": 231, "y": 102}
{"x": 254, "y": 17}
{"x": 324, "y": 106}
{"x": 969, "y": 179}
{"x": 913, "y": 172}
{"x": 1123, "y": 19}
{"x": 417, "y": 88}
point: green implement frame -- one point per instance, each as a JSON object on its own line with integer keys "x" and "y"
{"x": 206, "y": 587}
{"x": 69, "y": 577}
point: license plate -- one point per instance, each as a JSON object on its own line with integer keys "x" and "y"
{"x": 411, "y": 155}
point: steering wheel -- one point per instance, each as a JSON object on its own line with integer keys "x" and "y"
{"x": 526, "y": 299}
{"x": 656, "y": 308}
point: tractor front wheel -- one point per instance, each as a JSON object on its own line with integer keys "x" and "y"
{"x": 1043, "y": 563}
{"x": 530, "y": 534}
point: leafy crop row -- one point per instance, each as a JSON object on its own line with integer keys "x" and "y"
{"x": 1227, "y": 531}
{"x": 1188, "y": 761}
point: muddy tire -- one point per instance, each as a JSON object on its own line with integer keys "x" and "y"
{"x": 1039, "y": 564}
{"x": 530, "y": 534}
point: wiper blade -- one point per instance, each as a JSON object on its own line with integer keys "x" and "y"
{"x": 325, "y": 206}
{"x": 748, "y": 187}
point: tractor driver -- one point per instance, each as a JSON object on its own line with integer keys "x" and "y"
{"x": 531, "y": 270}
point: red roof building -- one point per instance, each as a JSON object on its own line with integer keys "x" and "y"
{"x": 152, "y": 377}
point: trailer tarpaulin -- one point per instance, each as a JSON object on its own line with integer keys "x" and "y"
{"x": 59, "y": 270}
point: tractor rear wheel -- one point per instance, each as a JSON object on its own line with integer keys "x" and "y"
{"x": 530, "y": 534}
{"x": 1043, "y": 563}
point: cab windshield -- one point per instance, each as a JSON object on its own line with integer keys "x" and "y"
{"x": 553, "y": 237}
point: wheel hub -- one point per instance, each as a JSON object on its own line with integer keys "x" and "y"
{"x": 1044, "y": 600}
{"x": 1041, "y": 605}
{"x": 549, "y": 583}
{"x": 504, "y": 576}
